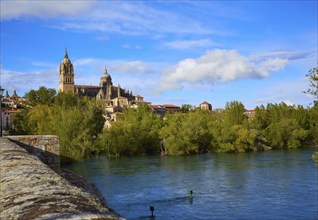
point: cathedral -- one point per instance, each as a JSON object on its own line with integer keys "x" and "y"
{"x": 114, "y": 97}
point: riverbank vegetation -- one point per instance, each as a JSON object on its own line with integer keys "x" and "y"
{"x": 276, "y": 126}
{"x": 79, "y": 124}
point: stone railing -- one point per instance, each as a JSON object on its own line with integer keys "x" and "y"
{"x": 31, "y": 190}
{"x": 45, "y": 147}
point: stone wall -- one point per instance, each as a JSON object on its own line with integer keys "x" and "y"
{"x": 45, "y": 147}
{"x": 31, "y": 190}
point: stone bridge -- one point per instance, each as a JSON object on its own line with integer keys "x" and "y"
{"x": 30, "y": 189}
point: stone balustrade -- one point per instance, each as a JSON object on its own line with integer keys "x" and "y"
{"x": 32, "y": 190}
{"x": 45, "y": 147}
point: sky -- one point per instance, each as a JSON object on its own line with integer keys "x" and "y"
{"x": 169, "y": 52}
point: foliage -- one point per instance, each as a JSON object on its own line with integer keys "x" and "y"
{"x": 276, "y": 126}
{"x": 42, "y": 96}
{"x": 134, "y": 133}
{"x": 234, "y": 113}
{"x": 313, "y": 82}
{"x": 79, "y": 124}
{"x": 76, "y": 122}
{"x": 315, "y": 157}
{"x": 313, "y": 90}
{"x": 65, "y": 100}
{"x": 285, "y": 133}
{"x": 185, "y": 108}
{"x": 21, "y": 124}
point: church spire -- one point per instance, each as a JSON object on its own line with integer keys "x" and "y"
{"x": 7, "y": 94}
{"x": 105, "y": 72}
{"x": 66, "y": 54}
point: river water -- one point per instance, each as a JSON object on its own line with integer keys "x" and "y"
{"x": 264, "y": 185}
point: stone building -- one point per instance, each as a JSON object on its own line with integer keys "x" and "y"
{"x": 114, "y": 97}
{"x": 66, "y": 82}
{"x": 206, "y": 106}
{"x": 10, "y": 106}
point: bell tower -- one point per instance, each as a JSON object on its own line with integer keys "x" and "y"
{"x": 66, "y": 82}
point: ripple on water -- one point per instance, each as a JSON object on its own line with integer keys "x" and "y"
{"x": 265, "y": 185}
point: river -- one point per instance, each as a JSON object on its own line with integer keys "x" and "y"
{"x": 263, "y": 185}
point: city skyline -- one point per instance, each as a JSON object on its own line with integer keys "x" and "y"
{"x": 168, "y": 52}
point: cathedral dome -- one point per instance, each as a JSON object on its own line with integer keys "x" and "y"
{"x": 105, "y": 75}
{"x": 105, "y": 79}
{"x": 66, "y": 60}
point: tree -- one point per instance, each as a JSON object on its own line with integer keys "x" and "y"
{"x": 286, "y": 133}
{"x": 42, "y": 118}
{"x": 136, "y": 132}
{"x": 313, "y": 82}
{"x": 66, "y": 99}
{"x": 313, "y": 90}
{"x": 234, "y": 113}
{"x": 21, "y": 124}
{"x": 185, "y": 108}
{"x": 261, "y": 118}
{"x": 41, "y": 96}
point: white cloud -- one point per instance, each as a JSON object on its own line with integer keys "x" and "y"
{"x": 289, "y": 103}
{"x": 218, "y": 66}
{"x": 42, "y": 9}
{"x": 190, "y": 44}
{"x": 273, "y": 65}
{"x": 24, "y": 81}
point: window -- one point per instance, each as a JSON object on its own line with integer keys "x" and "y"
{"x": 7, "y": 122}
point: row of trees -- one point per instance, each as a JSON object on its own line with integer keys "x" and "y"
{"x": 276, "y": 126}
{"x": 79, "y": 124}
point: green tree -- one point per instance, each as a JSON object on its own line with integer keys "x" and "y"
{"x": 77, "y": 123}
{"x": 21, "y": 124}
{"x": 313, "y": 90}
{"x": 315, "y": 157}
{"x": 66, "y": 100}
{"x": 261, "y": 118}
{"x": 285, "y": 134}
{"x": 41, "y": 96}
{"x": 313, "y": 82}
{"x": 185, "y": 108}
{"x": 187, "y": 134}
{"x": 41, "y": 118}
{"x": 135, "y": 132}
{"x": 234, "y": 113}
{"x": 313, "y": 124}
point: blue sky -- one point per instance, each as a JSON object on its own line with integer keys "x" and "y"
{"x": 170, "y": 52}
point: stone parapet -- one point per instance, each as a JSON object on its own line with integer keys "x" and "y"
{"x": 31, "y": 190}
{"x": 45, "y": 147}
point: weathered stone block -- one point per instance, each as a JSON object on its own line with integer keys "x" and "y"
{"x": 45, "y": 147}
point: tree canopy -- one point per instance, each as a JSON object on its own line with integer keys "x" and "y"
{"x": 79, "y": 123}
